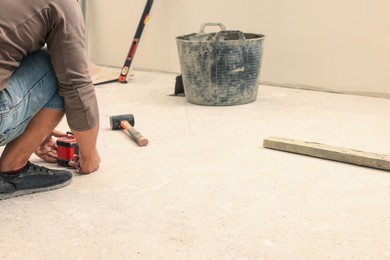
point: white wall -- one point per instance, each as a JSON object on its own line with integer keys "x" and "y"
{"x": 335, "y": 45}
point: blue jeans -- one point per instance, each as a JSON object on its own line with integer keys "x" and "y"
{"x": 32, "y": 86}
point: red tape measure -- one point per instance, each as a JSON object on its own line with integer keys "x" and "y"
{"x": 66, "y": 148}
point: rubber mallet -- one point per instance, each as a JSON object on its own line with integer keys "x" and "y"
{"x": 126, "y": 122}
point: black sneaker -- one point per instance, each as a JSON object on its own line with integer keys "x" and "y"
{"x": 32, "y": 179}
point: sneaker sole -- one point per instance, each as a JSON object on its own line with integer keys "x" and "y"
{"x": 4, "y": 196}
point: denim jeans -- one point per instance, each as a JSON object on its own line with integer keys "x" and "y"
{"x": 32, "y": 86}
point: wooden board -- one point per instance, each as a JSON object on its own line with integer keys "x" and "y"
{"x": 372, "y": 160}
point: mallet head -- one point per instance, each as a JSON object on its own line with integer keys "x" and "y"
{"x": 115, "y": 121}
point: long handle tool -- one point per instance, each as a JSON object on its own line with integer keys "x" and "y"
{"x": 134, "y": 45}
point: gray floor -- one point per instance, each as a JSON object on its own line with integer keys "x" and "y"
{"x": 205, "y": 188}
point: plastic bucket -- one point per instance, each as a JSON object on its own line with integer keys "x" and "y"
{"x": 220, "y": 68}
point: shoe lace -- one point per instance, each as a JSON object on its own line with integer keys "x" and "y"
{"x": 40, "y": 168}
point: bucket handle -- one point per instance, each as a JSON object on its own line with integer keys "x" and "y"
{"x": 241, "y": 35}
{"x": 203, "y": 27}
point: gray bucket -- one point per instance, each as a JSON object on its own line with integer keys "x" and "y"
{"x": 220, "y": 68}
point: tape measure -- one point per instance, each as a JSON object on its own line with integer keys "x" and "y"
{"x": 66, "y": 148}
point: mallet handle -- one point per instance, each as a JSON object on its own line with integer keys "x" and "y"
{"x": 137, "y": 136}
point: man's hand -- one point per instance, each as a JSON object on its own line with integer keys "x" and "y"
{"x": 88, "y": 159}
{"x": 47, "y": 150}
{"x": 83, "y": 165}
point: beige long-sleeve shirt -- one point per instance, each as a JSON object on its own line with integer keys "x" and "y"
{"x": 26, "y": 26}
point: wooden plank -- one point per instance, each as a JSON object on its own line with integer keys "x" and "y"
{"x": 367, "y": 159}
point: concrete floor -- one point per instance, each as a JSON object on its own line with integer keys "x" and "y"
{"x": 205, "y": 188}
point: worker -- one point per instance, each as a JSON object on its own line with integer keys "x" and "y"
{"x": 43, "y": 76}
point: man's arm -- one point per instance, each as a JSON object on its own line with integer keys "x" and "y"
{"x": 66, "y": 47}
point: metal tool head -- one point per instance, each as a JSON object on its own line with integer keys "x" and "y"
{"x": 115, "y": 121}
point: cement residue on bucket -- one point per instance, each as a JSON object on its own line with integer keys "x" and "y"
{"x": 220, "y": 68}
